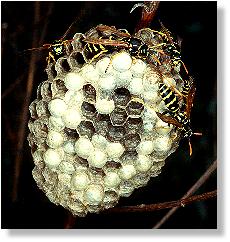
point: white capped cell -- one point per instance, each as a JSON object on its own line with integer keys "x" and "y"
{"x": 145, "y": 147}
{"x": 105, "y": 106}
{"x": 162, "y": 144}
{"x": 83, "y": 147}
{"x": 56, "y": 123}
{"x": 80, "y": 180}
{"x": 107, "y": 83}
{"x": 73, "y": 81}
{"x": 71, "y": 118}
{"x": 94, "y": 194}
{"x": 150, "y": 96}
{"x": 121, "y": 61}
{"x": 114, "y": 150}
{"x": 136, "y": 86}
{"x": 138, "y": 68}
{"x": 97, "y": 158}
{"x": 74, "y": 98}
{"x": 69, "y": 147}
{"x": 89, "y": 73}
{"x": 123, "y": 78}
{"x": 66, "y": 167}
{"x": 104, "y": 66}
{"x": 52, "y": 158}
{"x": 57, "y": 107}
{"x": 54, "y": 139}
{"x": 99, "y": 141}
{"x": 127, "y": 171}
{"x": 112, "y": 179}
{"x": 143, "y": 163}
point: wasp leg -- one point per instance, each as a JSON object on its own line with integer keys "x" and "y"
{"x": 180, "y": 61}
{"x": 48, "y": 58}
{"x": 181, "y": 96}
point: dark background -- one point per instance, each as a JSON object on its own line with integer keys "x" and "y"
{"x": 196, "y": 24}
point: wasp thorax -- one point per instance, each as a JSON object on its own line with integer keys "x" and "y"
{"x": 94, "y": 130}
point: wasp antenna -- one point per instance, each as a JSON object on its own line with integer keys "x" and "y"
{"x": 137, "y": 5}
{"x": 36, "y": 48}
{"x": 190, "y": 147}
{"x": 185, "y": 67}
{"x": 67, "y": 31}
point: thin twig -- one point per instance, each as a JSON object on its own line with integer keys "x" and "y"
{"x": 49, "y": 12}
{"x": 12, "y": 86}
{"x": 149, "y": 10}
{"x": 69, "y": 221}
{"x": 24, "y": 115}
{"x": 192, "y": 190}
{"x": 159, "y": 206}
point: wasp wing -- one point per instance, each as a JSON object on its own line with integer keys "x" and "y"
{"x": 190, "y": 99}
{"x": 106, "y": 42}
{"x": 109, "y": 30}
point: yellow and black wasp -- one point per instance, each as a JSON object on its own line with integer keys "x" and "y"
{"x": 56, "y": 49}
{"x": 170, "y": 46}
{"x": 114, "y": 39}
{"x": 178, "y": 116}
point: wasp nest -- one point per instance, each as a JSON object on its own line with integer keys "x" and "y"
{"x": 94, "y": 132}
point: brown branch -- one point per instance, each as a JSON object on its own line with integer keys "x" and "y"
{"x": 192, "y": 190}
{"x": 12, "y": 86}
{"x": 24, "y": 115}
{"x": 69, "y": 221}
{"x": 164, "y": 205}
{"x": 49, "y": 12}
{"x": 149, "y": 10}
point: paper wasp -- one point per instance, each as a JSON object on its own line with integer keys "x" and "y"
{"x": 56, "y": 49}
{"x": 113, "y": 39}
{"x": 170, "y": 46}
{"x": 179, "y": 116}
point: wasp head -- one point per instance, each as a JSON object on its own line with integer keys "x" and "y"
{"x": 57, "y": 47}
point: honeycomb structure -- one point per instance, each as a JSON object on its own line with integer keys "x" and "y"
{"x": 94, "y": 132}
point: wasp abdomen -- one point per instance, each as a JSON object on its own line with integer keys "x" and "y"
{"x": 169, "y": 98}
{"x": 186, "y": 87}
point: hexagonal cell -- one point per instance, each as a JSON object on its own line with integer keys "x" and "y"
{"x": 46, "y": 91}
{"x": 134, "y": 108}
{"x": 65, "y": 65}
{"x": 40, "y": 129}
{"x": 42, "y": 108}
{"x": 116, "y": 133}
{"x": 58, "y": 87}
{"x": 118, "y": 116}
{"x": 32, "y": 143}
{"x": 96, "y": 171}
{"x": 32, "y": 108}
{"x": 51, "y": 71}
{"x": 89, "y": 92}
{"x": 102, "y": 123}
{"x": 121, "y": 96}
{"x": 88, "y": 109}
{"x": 71, "y": 133}
{"x": 129, "y": 156}
{"x": 86, "y": 128}
{"x": 133, "y": 125}
{"x": 80, "y": 161}
{"x": 112, "y": 165}
{"x": 131, "y": 141}
{"x": 77, "y": 59}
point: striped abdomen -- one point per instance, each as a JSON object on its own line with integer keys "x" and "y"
{"x": 92, "y": 51}
{"x": 169, "y": 98}
{"x": 186, "y": 128}
{"x": 186, "y": 87}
